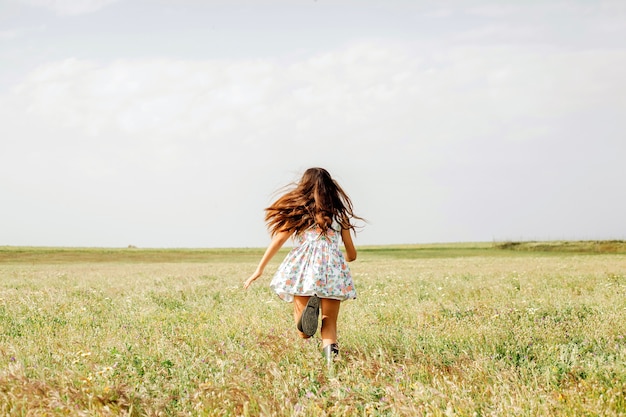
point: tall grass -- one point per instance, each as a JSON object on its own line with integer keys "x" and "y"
{"x": 488, "y": 334}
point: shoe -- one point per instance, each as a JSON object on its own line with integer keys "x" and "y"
{"x": 330, "y": 352}
{"x": 307, "y": 323}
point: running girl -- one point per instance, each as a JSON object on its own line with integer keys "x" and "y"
{"x": 315, "y": 274}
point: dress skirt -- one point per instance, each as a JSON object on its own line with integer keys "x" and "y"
{"x": 315, "y": 265}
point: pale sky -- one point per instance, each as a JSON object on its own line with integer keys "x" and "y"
{"x": 171, "y": 123}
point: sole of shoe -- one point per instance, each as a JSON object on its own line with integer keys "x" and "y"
{"x": 310, "y": 316}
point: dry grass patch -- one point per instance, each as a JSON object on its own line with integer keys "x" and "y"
{"x": 473, "y": 335}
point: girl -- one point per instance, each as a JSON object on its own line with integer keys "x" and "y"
{"x": 315, "y": 273}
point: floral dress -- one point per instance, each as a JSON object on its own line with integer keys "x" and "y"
{"x": 315, "y": 266}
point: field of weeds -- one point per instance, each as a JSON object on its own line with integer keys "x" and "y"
{"x": 468, "y": 331}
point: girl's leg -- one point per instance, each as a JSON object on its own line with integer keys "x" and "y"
{"x": 330, "y": 312}
{"x": 299, "y": 303}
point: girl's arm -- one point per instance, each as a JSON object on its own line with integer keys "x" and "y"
{"x": 348, "y": 245}
{"x": 277, "y": 242}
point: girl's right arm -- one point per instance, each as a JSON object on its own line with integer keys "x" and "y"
{"x": 277, "y": 242}
{"x": 348, "y": 245}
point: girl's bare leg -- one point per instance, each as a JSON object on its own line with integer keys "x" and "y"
{"x": 330, "y": 312}
{"x": 299, "y": 303}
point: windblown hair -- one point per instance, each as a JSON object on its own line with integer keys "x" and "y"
{"x": 316, "y": 200}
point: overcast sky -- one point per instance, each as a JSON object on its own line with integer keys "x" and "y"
{"x": 171, "y": 123}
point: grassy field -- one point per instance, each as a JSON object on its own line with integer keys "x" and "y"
{"x": 468, "y": 330}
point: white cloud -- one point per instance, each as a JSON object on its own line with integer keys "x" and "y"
{"x": 70, "y": 7}
{"x": 9, "y": 34}
{"x": 438, "y": 13}
{"x": 410, "y": 95}
{"x": 136, "y": 140}
{"x": 496, "y": 10}
{"x": 12, "y": 34}
{"x": 502, "y": 34}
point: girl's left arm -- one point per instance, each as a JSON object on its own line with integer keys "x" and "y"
{"x": 348, "y": 245}
{"x": 277, "y": 242}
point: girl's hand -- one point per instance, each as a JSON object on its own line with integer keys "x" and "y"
{"x": 252, "y": 278}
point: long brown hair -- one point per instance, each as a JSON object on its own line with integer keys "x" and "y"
{"x": 316, "y": 200}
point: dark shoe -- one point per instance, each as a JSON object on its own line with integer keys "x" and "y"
{"x": 307, "y": 323}
{"x": 331, "y": 352}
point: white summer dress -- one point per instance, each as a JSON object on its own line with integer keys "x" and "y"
{"x": 315, "y": 266}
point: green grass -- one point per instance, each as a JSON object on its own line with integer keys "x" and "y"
{"x": 10, "y": 254}
{"x": 581, "y": 246}
{"x": 437, "y": 330}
